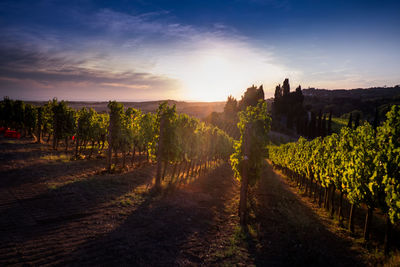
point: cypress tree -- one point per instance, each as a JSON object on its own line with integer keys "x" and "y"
{"x": 330, "y": 123}
{"x": 312, "y": 125}
{"x": 376, "y": 119}
{"x": 350, "y": 123}
{"x": 286, "y": 87}
{"x": 357, "y": 121}
{"x": 278, "y": 92}
{"x": 299, "y": 96}
{"x": 260, "y": 93}
{"x": 319, "y": 124}
{"x": 324, "y": 126}
{"x": 277, "y": 99}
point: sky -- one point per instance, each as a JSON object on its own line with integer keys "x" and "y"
{"x": 141, "y": 50}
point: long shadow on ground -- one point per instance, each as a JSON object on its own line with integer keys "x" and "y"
{"x": 73, "y": 199}
{"x": 108, "y": 220}
{"x": 47, "y": 171}
{"x": 43, "y": 228}
{"x": 165, "y": 230}
{"x": 290, "y": 233}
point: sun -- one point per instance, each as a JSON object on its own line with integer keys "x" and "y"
{"x": 212, "y": 74}
{"x": 208, "y": 78}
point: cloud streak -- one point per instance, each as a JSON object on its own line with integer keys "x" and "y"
{"x": 101, "y": 53}
{"x": 187, "y": 49}
{"x": 138, "y": 55}
{"x": 33, "y": 71}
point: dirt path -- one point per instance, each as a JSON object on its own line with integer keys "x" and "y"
{"x": 290, "y": 233}
{"x": 59, "y": 212}
{"x": 56, "y": 212}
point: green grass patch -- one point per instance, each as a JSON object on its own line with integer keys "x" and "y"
{"x": 234, "y": 249}
{"x": 126, "y": 202}
{"x": 91, "y": 185}
{"x": 57, "y": 158}
{"x": 11, "y": 141}
{"x": 338, "y": 123}
{"x": 58, "y": 185}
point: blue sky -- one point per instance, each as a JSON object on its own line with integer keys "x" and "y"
{"x": 193, "y": 50}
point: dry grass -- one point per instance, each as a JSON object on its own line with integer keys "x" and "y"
{"x": 65, "y": 211}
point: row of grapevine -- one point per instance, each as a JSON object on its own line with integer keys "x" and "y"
{"x": 361, "y": 164}
{"x": 57, "y": 120}
{"x": 90, "y": 127}
{"x": 187, "y": 143}
{"x": 176, "y": 139}
{"x": 250, "y": 151}
{"x": 130, "y": 131}
{"x": 18, "y": 115}
{"x": 167, "y": 137}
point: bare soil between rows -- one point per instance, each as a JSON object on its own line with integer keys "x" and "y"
{"x": 54, "y": 211}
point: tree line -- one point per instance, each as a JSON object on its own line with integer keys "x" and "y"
{"x": 289, "y": 112}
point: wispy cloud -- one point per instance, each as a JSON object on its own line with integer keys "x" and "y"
{"x": 177, "y": 49}
{"x": 149, "y": 54}
{"x": 34, "y": 71}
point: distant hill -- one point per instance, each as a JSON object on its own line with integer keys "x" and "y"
{"x": 196, "y": 109}
{"x": 341, "y": 101}
{"x": 359, "y": 93}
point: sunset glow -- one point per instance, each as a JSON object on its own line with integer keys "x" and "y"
{"x": 213, "y": 71}
{"x": 199, "y": 133}
{"x": 150, "y": 51}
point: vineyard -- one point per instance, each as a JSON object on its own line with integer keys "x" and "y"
{"x": 360, "y": 164}
{"x": 117, "y": 186}
{"x": 173, "y": 139}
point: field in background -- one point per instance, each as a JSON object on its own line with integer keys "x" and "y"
{"x": 195, "y": 109}
{"x": 338, "y": 123}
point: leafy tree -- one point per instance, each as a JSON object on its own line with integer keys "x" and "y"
{"x": 251, "y": 97}
{"x": 231, "y": 109}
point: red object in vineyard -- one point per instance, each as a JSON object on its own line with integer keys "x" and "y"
{"x": 73, "y": 137}
{"x": 12, "y": 134}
